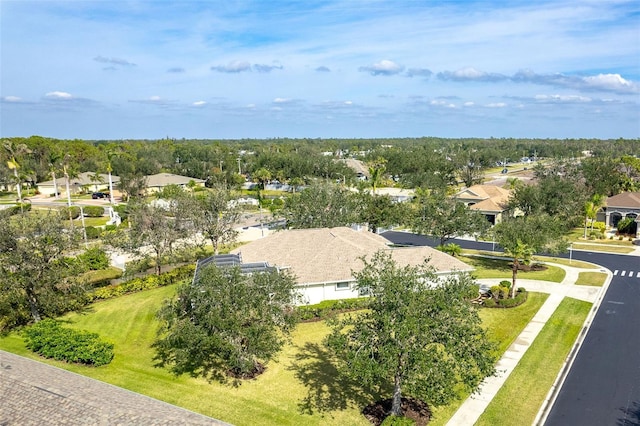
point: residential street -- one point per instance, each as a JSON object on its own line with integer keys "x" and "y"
{"x": 603, "y": 384}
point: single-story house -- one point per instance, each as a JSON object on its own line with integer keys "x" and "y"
{"x": 625, "y": 205}
{"x": 398, "y": 195}
{"x": 489, "y": 200}
{"x": 155, "y": 183}
{"x": 323, "y": 259}
{"x": 86, "y": 181}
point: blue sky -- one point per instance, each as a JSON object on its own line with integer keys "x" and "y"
{"x": 117, "y": 69}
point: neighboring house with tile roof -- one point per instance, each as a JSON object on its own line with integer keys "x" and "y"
{"x": 155, "y": 183}
{"x": 625, "y": 205}
{"x": 324, "y": 259}
{"x": 490, "y": 200}
{"x": 85, "y": 181}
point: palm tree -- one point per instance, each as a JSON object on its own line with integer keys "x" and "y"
{"x": 15, "y": 150}
{"x": 262, "y": 176}
{"x": 519, "y": 251}
{"x": 54, "y": 163}
{"x": 96, "y": 178}
{"x": 376, "y": 173}
{"x": 591, "y": 209}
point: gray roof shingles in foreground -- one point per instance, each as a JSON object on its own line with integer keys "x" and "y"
{"x": 33, "y": 393}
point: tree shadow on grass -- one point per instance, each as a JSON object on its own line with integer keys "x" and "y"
{"x": 327, "y": 388}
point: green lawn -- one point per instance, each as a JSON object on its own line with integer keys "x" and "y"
{"x": 503, "y": 327}
{"x": 300, "y": 387}
{"x": 603, "y": 247}
{"x": 495, "y": 268}
{"x": 595, "y": 279}
{"x": 566, "y": 262}
{"x": 520, "y": 397}
{"x": 93, "y": 221}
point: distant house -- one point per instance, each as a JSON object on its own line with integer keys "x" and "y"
{"x": 155, "y": 183}
{"x": 489, "y": 200}
{"x": 399, "y": 195}
{"x": 324, "y": 259}
{"x": 84, "y": 182}
{"x": 625, "y": 205}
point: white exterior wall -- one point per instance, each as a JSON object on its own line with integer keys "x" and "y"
{"x": 318, "y": 292}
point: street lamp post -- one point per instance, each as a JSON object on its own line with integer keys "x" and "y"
{"x": 570, "y": 252}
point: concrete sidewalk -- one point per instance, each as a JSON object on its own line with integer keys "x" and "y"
{"x": 471, "y": 410}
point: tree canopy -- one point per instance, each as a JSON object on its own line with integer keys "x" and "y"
{"x": 36, "y": 280}
{"x": 226, "y": 323}
{"x": 436, "y": 214}
{"x": 416, "y": 339}
{"x": 522, "y": 237}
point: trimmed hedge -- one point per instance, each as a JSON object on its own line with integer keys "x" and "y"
{"x": 93, "y": 211}
{"x": 14, "y": 210}
{"x": 102, "y": 277}
{"x": 94, "y": 259}
{"x": 328, "y": 308}
{"x": 521, "y": 297}
{"x": 144, "y": 283}
{"x": 75, "y": 212}
{"x": 49, "y": 339}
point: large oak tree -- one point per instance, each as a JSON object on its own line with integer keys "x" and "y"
{"x": 226, "y": 323}
{"x": 420, "y": 337}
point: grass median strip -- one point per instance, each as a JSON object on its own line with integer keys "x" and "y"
{"x": 595, "y": 279}
{"x": 520, "y": 397}
{"x": 497, "y": 268}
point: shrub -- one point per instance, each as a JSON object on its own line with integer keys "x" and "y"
{"x": 393, "y": 420}
{"x": 451, "y": 249}
{"x": 109, "y": 228}
{"x": 18, "y": 208}
{"x": 505, "y": 283}
{"x": 74, "y": 211}
{"x": 495, "y": 291}
{"x": 624, "y": 226}
{"x": 102, "y": 277}
{"x": 328, "y": 308}
{"x": 93, "y": 233}
{"x": 93, "y": 211}
{"x": 49, "y": 339}
{"x": 144, "y": 283}
{"x": 504, "y": 293}
{"x": 94, "y": 259}
{"x": 521, "y": 297}
{"x": 600, "y": 226}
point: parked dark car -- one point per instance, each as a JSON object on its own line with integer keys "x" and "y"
{"x": 97, "y": 195}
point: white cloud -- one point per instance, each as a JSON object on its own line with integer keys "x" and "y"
{"x": 496, "y": 105}
{"x": 282, "y": 101}
{"x": 384, "y": 67}
{"x": 199, "y": 103}
{"x": 11, "y": 99}
{"x": 155, "y": 98}
{"x": 562, "y": 98}
{"x": 469, "y": 104}
{"x": 58, "y": 95}
{"x": 610, "y": 82}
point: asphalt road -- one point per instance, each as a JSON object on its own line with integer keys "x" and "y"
{"x": 602, "y": 387}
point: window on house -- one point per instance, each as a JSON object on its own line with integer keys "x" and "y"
{"x": 342, "y": 286}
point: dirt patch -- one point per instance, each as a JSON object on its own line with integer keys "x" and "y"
{"x": 413, "y": 409}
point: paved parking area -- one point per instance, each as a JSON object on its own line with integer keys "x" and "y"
{"x": 33, "y": 393}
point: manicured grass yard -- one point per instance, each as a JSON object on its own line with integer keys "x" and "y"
{"x": 495, "y": 268}
{"x": 591, "y": 278}
{"x": 300, "y": 387}
{"x": 503, "y": 326}
{"x": 520, "y": 397}
{"x": 562, "y": 261}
